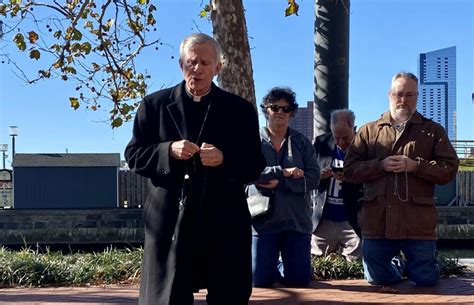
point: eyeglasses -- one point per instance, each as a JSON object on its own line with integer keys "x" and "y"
{"x": 403, "y": 94}
{"x": 276, "y": 108}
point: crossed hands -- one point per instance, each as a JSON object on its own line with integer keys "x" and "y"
{"x": 328, "y": 172}
{"x": 185, "y": 150}
{"x": 398, "y": 164}
{"x": 292, "y": 172}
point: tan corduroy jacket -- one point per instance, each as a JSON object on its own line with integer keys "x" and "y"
{"x": 385, "y": 214}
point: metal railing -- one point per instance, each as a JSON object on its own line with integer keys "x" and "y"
{"x": 464, "y": 148}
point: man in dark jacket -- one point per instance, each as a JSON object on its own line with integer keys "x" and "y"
{"x": 198, "y": 145}
{"x": 335, "y": 227}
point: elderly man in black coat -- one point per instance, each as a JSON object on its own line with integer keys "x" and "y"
{"x": 198, "y": 145}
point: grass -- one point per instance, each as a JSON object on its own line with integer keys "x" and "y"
{"x": 466, "y": 164}
{"x": 35, "y": 268}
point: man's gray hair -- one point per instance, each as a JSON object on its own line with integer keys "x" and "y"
{"x": 199, "y": 38}
{"x": 342, "y": 116}
{"x": 404, "y": 75}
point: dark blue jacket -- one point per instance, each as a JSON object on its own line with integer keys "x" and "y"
{"x": 291, "y": 206}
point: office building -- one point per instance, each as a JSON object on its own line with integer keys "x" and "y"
{"x": 303, "y": 120}
{"x": 437, "y": 90}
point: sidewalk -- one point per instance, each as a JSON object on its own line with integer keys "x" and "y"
{"x": 449, "y": 291}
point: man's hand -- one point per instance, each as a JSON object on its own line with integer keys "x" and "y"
{"x": 293, "y": 172}
{"x": 211, "y": 155}
{"x": 183, "y": 150}
{"x": 399, "y": 164}
{"x": 326, "y": 173}
{"x": 270, "y": 184}
{"x": 339, "y": 176}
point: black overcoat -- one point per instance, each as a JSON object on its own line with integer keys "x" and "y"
{"x": 207, "y": 241}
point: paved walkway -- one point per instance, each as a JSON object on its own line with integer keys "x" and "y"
{"x": 449, "y": 291}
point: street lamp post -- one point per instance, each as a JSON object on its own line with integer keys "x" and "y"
{"x": 13, "y": 134}
{"x": 3, "y": 149}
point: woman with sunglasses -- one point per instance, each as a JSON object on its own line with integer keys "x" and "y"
{"x": 281, "y": 238}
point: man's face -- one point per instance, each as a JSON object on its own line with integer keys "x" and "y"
{"x": 199, "y": 65}
{"x": 403, "y": 97}
{"x": 343, "y": 135}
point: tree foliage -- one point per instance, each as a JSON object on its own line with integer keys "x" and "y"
{"x": 91, "y": 42}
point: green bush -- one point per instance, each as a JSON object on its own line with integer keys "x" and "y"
{"x": 335, "y": 267}
{"x": 33, "y": 268}
{"x": 28, "y": 267}
{"x": 450, "y": 266}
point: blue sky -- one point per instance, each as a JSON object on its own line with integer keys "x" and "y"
{"x": 386, "y": 37}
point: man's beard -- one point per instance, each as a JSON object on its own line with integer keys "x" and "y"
{"x": 401, "y": 114}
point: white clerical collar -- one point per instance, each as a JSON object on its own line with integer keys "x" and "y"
{"x": 197, "y": 98}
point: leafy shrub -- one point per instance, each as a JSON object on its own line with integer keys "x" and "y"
{"x": 28, "y": 267}
{"x": 33, "y": 268}
{"x": 335, "y": 267}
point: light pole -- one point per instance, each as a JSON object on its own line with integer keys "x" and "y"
{"x": 3, "y": 149}
{"x": 13, "y": 133}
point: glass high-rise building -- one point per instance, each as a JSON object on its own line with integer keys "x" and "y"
{"x": 437, "y": 89}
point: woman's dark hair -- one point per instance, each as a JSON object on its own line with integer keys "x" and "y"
{"x": 277, "y": 93}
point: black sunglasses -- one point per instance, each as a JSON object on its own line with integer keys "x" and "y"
{"x": 276, "y": 108}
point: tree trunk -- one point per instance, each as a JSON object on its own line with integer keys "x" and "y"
{"x": 230, "y": 30}
{"x": 331, "y": 63}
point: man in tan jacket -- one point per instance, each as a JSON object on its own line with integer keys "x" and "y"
{"x": 399, "y": 158}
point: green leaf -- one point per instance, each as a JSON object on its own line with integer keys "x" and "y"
{"x": 125, "y": 109}
{"x": 3, "y": 9}
{"x": 45, "y": 74}
{"x": 75, "y": 47}
{"x": 35, "y": 54}
{"x": 135, "y": 26}
{"x": 70, "y": 69}
{"x": 74, "y": 102}
{"x": 86, "y": 47}
{"x": 58, "y": 64}
{"x": 19, "y": 40}
{"x": 117, "y": 122}
{"x": 85, "y": 13}
{"x": 76, "y": 35}
{"x": 89, "y": 24}
{"x": 57, "y": 34}
{"x": 205, "y": 11}
{"x": 150, "y": 19}
{"x": 56, "y": 47}
{"x": 106, "y": 27}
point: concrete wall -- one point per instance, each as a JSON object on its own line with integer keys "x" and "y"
{"x": 88, "y": 226}
{"x": 456, "y": 222}
{"x": 105, "y": 226}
